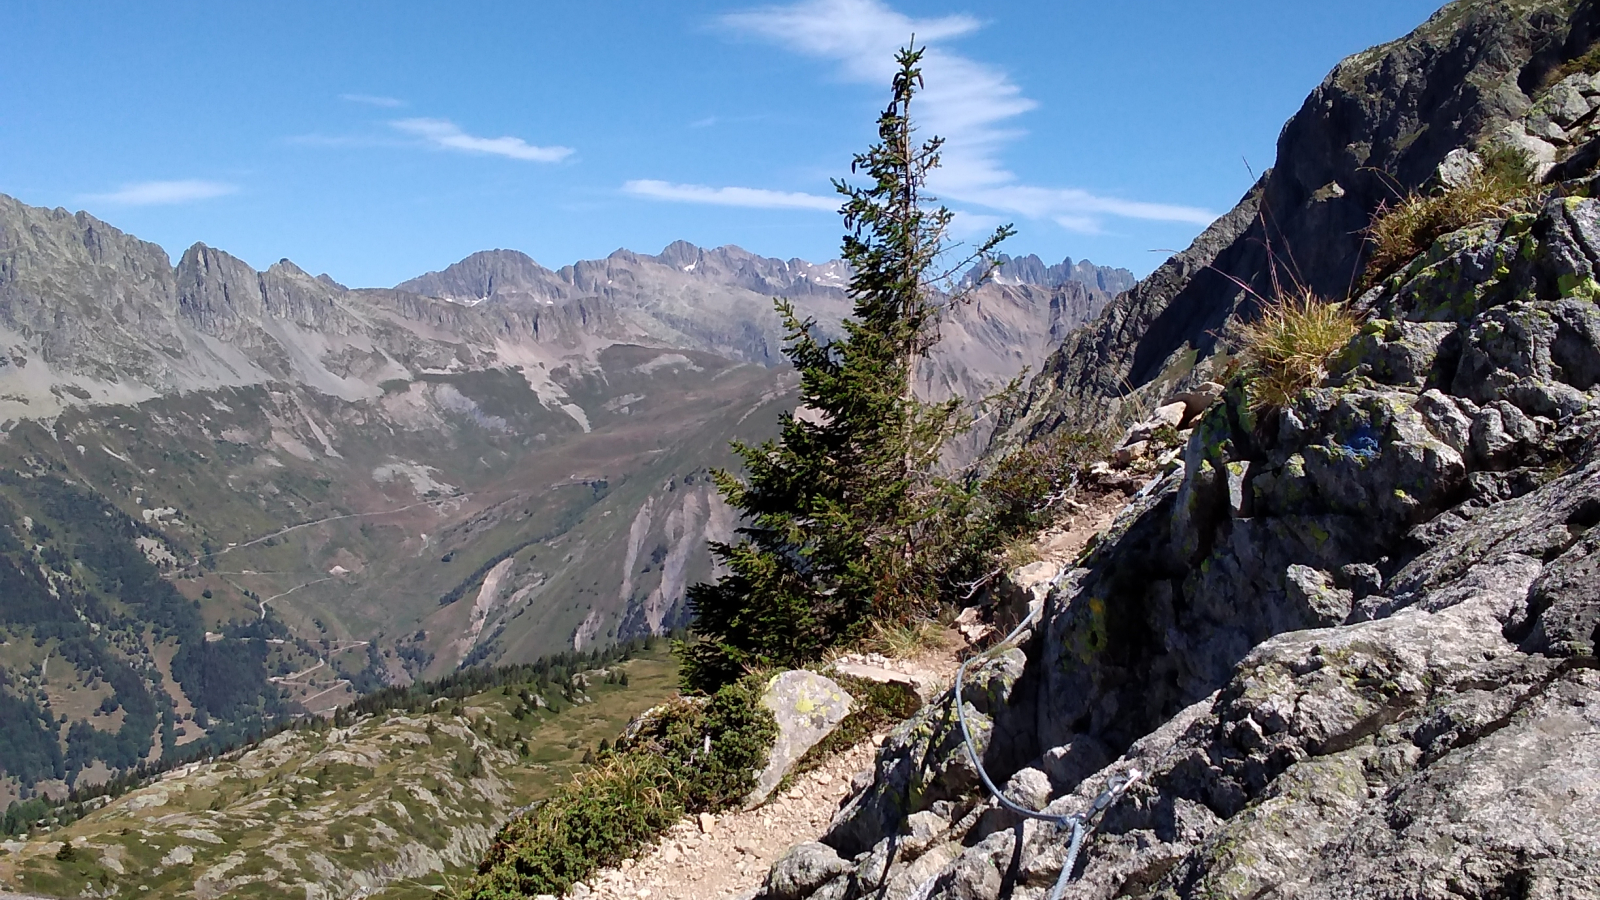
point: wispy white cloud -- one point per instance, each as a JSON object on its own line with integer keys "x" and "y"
{"x": 714, "y": 120}
{"x": 968, "y": 103}
{"x": 757, "y": 198}
{"x": 373, "y": 100}
{"x": 447, "y": 135}
{"x": 1075, "y": 209}
{"x": 157, "y": 193}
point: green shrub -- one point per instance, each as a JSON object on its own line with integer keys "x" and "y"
{"x": 633, "y": 793}
{"x": 1401, "y": 231}
{"x": 595, "y": 820}
{"x": 741, "y": 732}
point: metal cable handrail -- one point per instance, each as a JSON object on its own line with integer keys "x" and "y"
{"x": 1116, "y": 785}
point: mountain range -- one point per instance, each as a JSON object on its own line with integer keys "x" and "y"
{"x": 319, "y": 490}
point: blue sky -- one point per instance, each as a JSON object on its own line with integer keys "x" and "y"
{"x": 376, "y": 141}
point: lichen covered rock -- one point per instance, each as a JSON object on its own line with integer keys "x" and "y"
{"x": 807, "y": 707}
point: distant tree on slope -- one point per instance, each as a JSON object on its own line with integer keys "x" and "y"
{"x": 844, "y": 519}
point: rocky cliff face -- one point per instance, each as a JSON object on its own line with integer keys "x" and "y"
{"x": 1347, "y": 647}
{"x": 90, "y": 315}
{"x": 1378, "y": 126}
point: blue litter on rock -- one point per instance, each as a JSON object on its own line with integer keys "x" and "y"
{"x": 1363, "y": 443}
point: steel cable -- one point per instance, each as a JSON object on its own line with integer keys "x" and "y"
{"x": 1116, "y": 786}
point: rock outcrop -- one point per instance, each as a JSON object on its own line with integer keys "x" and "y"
{"x": 1378, "y": 126}
{"x": 1347, "y": 647}
{"x": 808, "y": 707}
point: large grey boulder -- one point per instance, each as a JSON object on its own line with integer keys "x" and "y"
{"x": 808, "y": 708}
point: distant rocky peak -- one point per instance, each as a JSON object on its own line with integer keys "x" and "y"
{"x": 489, "y": 273}
{"x": 680, "y": 255}
{"x": 1031, "y": 269}
{"x": 729, "y": 264}
{"x": 287, "y": 269}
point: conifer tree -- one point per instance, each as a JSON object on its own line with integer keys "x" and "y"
{"x": 843, "y": 518}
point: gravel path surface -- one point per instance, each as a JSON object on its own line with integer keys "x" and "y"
{"x": 728, "y": 855}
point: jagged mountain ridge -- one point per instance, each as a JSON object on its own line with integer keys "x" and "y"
{"x": 102, "y": 313}
{"x": 513, "y": 276}
{"x": 1031, "y": 269}
{"x": 89, "y": 314}
{"x": 722, "y": 297}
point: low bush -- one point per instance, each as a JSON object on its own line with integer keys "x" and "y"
{"x": 690, "y": 756}
{"x": 719, "y": 773}
{"x": 595, "y": 820}
{"x": 1289, "y": 346}
{"x": 1027, "y": 483}
{"x": 1404, "y": 229}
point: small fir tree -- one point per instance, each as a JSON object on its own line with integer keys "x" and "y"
{"x": 844, "y": 520}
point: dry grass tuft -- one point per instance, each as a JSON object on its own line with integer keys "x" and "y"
{"x": 1020, "y": 551}
{"x": 1290, "y": 345}
{"x": 1408, "y": 227}
{"x": 903, "y": 640}
{"x": 1588, "y": 63}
